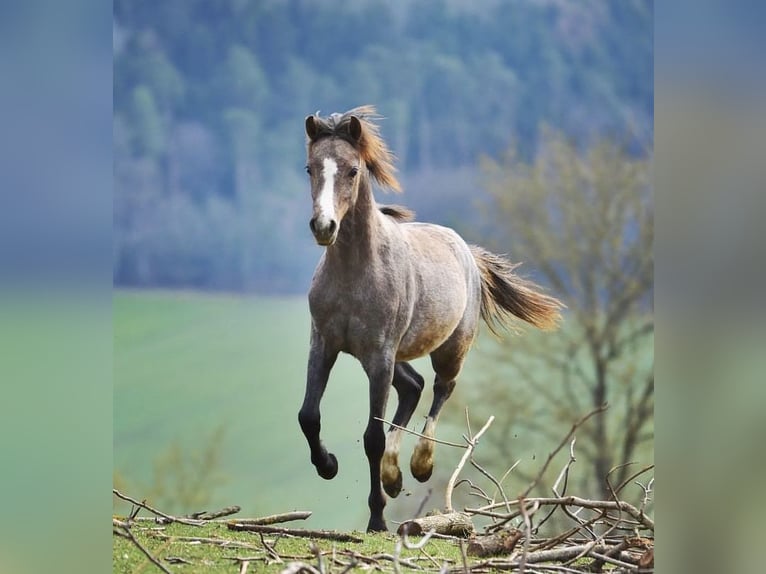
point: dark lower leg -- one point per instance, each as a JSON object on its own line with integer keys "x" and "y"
{"x": 318, "y": 372}
{"x": 380, "y": 372}
{"x": 325, "y": 462}
{"x": 409, "y": 385}
{"x": 374, "y": 444}
{"x": 422, "y": 461}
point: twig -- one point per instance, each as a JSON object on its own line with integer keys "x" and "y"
{"x": 564, "y": 475}
{"x": 633, "y": 477}
{"x": 575, "y": 426}
{"x": 464, "y": 558}
{"x": 423, "y": 502}
{"x": 223, "y": 542}
{"x": 647, "y": 493}
{"x": 527, "y": 533}
{"x": 126, "y": 529}
{"x": 576, "y": 501}
{"x": 323, "y": 534}
{"x": 472, "y": 442}
{"x": 168, "y": 517}
{"x": 270, "y": 549}
{"x": 419, "y": 544}
{"x": 205, "y": 515}
{"x": 299, "y": 568}
{"x": 433, "y": 439}
{"x": 494, "y": 481}
{"x": 317, "y": 552}
{"x": 475, "y": 489}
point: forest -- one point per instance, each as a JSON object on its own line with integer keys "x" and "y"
{"x": 210, "y": 98}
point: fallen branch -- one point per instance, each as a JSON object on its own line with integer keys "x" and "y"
{"x": 205, "y": 515}
{"x": 167, "y": 517}
{"x": 273, "y": 519}
{"x": 300, "y": 532}
{"x": 450, "y": 523}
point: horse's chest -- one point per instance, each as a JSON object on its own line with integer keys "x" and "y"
{"x": 353, "y": 323}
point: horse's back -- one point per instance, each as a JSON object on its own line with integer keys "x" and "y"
{"x": 439, "y": 250}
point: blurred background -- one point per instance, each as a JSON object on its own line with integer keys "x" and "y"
{"x": 525, "y": 125}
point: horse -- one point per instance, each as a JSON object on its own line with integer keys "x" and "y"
{"x": 388, "y": 290}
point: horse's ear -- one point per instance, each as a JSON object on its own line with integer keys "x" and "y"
{"x": 311, "y": 127}
{"x": 355, "y": 128}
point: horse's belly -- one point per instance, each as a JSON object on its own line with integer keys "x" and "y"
{"x": 426, "y": 333}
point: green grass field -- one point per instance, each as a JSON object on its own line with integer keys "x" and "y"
{"x": 186, "y": 364}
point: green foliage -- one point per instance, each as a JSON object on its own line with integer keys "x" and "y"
{"x": 185, "y": 481}
{"x": 211, "y": 97}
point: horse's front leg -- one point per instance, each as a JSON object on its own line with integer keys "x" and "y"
{"x": 320, "y": 363}
{"x": 380, "y": 373}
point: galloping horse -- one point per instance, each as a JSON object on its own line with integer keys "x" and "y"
{"x": 388, "y": 290}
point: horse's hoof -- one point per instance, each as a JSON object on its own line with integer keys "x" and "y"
{"x": 422, "y": 473}
{"x": 376, "y": 525}
{"x": 393, "y": 487}
{"x": 328, "y": 468}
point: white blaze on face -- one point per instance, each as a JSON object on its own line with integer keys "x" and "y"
{"x": 326, "y": 195}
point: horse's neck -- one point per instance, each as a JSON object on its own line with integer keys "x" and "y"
{"x": 360, "y": 232}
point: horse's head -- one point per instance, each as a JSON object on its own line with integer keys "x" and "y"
{"x": 334, "y": 167}
{"x": 343, "y": 149}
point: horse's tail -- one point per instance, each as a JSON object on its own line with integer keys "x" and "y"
{"x": 505, "y": 295}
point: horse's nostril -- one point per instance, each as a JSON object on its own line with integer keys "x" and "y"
{"x": 313, "y": 224}
{"x": 332, "y": 226}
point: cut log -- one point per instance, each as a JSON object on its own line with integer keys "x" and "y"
{"x": 502, "y": 542}
{"x": 451, "y": 524}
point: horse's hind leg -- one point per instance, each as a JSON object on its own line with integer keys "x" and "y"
{"x": 409, "y": 385}
{"x": 447, "y": 361}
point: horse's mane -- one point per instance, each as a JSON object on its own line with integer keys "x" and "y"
{"x": 397, "y": 212}
{"x": 374, "y": 151}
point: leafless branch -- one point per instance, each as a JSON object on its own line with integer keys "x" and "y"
{"x": 472, "y": 442}
{"x": 300, "y": 532}
{"x": 156, "y": 512}
{"x": 566, "y": 439}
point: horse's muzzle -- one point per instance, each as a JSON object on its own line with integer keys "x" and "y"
{"x": 325, "y": 231}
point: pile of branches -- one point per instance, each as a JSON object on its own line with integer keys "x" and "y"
{"x": 604, "y": 535}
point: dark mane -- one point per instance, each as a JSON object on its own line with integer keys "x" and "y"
{"x": 372, "y": 148}
{"x": 397, "y": 212}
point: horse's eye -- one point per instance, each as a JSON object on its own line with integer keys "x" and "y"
{"x": 308, "y": 170}
{"x": 353, "y": 171}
